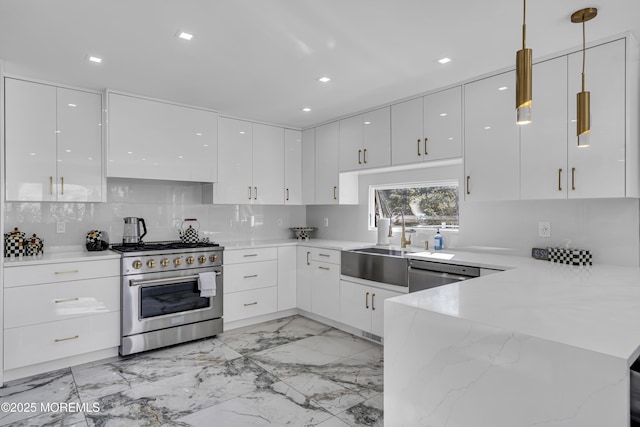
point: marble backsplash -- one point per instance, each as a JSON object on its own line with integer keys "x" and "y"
{"x": 163, "y": 205}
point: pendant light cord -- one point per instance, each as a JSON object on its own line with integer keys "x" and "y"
{"x": 524, "y": 26}
{"x": 584, "y": 53}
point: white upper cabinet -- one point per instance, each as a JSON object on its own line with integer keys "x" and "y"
{"x": 427, "y": 128}
{"x": 250, "y": 163}
{"x": 53, "y": 143}
{"x": 492, "y": 141}
{"x": 152, "y": 139}
{"x": 365, "y": 140}
{"x": 326, "y": 153}
{"x": 292, "y": 167}
{"x": 543, "y": 142}
{"x": 309, "y": 167}
{"x": 599, "y": 170}
{"x": 442, "y": 137}
{"x": 268, "y": 164}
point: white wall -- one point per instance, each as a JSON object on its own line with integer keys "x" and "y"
{"x": 608, "y": 227}
{"x": 159, "y": 203}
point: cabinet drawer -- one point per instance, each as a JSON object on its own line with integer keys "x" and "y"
{"x": 33, "y": 344}
{"x": 60, "y": 272}
{"x": 325, "y": 255}
{"x": 243, "y": 277}
{"x": 242, "y": 305}
{"x": 250, "y": 255}
{"x": 29, "y": 305}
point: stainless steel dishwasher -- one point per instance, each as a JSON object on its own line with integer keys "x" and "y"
{"x": 429, "y": 274}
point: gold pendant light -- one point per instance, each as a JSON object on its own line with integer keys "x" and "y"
{"x": 523, "y": 77}
{"x": 583, "y": 128}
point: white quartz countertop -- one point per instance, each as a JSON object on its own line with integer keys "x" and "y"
{"x": 316, "y": 243}
{"x": 594, "y": 307}
{"x": 56, "y": 256}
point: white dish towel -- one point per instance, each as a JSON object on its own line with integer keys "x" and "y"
{"x": 207, "y": 284}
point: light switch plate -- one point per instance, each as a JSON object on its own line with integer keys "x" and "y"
{"x": 544, "y": 229}
{"x": 60, "y": 227}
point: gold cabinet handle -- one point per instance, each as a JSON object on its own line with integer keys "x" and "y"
{"x": 425, "y": 146}
{"x": 325, "y": 255}
{"x": 256, "y": 196}
{"x": 359, "y": 153}
{"x": 468, "y": 189}
{"x": 335, "y": 197}
{"x": 249, "y": 193}
{"x": 419, "y": 148}
{"x": 248, "y": 255}
{"x": 50, "y": 185}
{"x": 373, "y": 301}
{"x": 250, "y": 276}
{"x": 62, "y": 184}
{"x": 559, "y": 179}
{"x": 323, "y": 268}
{"x": 573, "y": 178}
{"x": 75, "y": 337}
{"x": 365, "y": 156}
{"x": 251, "y": 303}
{"x": 308, "y": 253}
{"x": 366, "y": 300}
{"x": 67, "y": 272}
{"x": 287, "y": 194}
{"x": 58, "y": 301}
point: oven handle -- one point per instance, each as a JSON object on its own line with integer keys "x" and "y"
{"x": 167, "y": 281}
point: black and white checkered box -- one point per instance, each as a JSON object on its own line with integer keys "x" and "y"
{"x": 570, "y": 256}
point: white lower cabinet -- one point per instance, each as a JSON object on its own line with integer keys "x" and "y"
{"x": 362, "y": 306}
{"x": 246, "y": 304}
{"x": 286, "y": 277}
{"x": 60, "y": 310}
{"x": 318, "y": 277}
{"x": 303, "y": 278}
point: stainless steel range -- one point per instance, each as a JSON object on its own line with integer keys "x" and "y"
{"x": 161, "y": 301}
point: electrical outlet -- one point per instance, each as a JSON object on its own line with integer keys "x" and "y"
{"x": 544, "y": 229}
{"x": 177, "y": 223}
{"x": 326, "y": 222}
{"x": 60, "y": 227}
{"x": 279, "y": 222}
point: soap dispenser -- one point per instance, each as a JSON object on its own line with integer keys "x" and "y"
{"x": 437, "y": 241}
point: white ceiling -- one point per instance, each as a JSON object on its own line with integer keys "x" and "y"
{"x": 259, "y": 59}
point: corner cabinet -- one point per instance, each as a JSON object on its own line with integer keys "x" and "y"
{"x": 427, "y": 128}
{"x": 250, "y": 163}
{"x": 365, "y": 141}
{"x": 318, "y": 281}
{"x": 53, "y": 143}
{"x": 492, "y": 139}
{"x": 152, "y": 139}
{"x": 362, "y": 306}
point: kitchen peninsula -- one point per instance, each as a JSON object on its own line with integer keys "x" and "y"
{"x": 537, "y": 344}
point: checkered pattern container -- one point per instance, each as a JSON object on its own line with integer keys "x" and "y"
{"x": 15, "y": 244}
{"x": 570, "y": 256}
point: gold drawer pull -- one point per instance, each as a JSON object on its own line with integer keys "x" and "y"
{"x": 58, "y": 301}
{"x": 325, "y": 255}
{"x": 468, "y": 187}
{"x": 419, "y": 148}
{"x": 75, "y": 337}
{"x": 559, "y": 179}
{"x": 573, "y": 179}
{"x": 373, "y": 301}
{"x": 251, "y": 303}
{"x": 248, "y": 255}
{"x": 250, "y": 276}
{"x": 67, "y": 272}
{"x": 324, "y": 268}
{"x": 365, "y": 155}
{"x": 366, "y": 300}
{"x": 359, "y": 159}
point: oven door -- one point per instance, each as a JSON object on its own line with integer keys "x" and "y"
{"x": 154, "y": 301}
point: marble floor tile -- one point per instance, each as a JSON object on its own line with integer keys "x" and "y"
{"x": 271, "y": 334}
{"x": 279, "y": 405}
{"x": 292, "y": 371}
{"x": 368, "y": 413}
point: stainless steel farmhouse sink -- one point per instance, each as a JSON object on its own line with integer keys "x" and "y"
{"x": 380, "y": 264}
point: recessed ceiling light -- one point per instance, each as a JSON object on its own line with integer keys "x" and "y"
{"x": 205, "y": 145}
{"x": 180, "y": 157}
{"x": 185, "y": 36}
{"x": 67, "y": 150}
{"x": 129, "y": 152}
{"x": 32, "y": 154}
{"x": 72, "y": 105}
{"x": 487, "y": 127}
{"x": 503, "y": 88}
{"x": 367, "y": 123}
{"x": 198, "y": 134}
{"x": 95, "y": 59}
{"x": 324, "y": 79}
{"x": 89, "y": 158}
{"x": 444, "y": 60}
{"x": 306, "y": 109}
{"x": 242, "y": 132}
{"x": 443, "y": 114}
{"x": 450, "y": 138}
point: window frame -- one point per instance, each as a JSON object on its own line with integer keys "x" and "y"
{"x": 404, "y": 185}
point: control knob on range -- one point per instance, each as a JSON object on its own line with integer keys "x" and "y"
{"x": 190, "y": 260}
{"x": 137, "y": 264}
{"x": 151, "y": 263}
{"x": 202, "y": 259}
{"x": 213, "y": 258}
{"x": 177, "y": 261}
{"x": 165, "y": 262}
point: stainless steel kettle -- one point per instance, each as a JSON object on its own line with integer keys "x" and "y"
{"x": 132, "y": 234}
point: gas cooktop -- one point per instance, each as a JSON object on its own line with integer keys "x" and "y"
{"x": 161, "y": 246}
